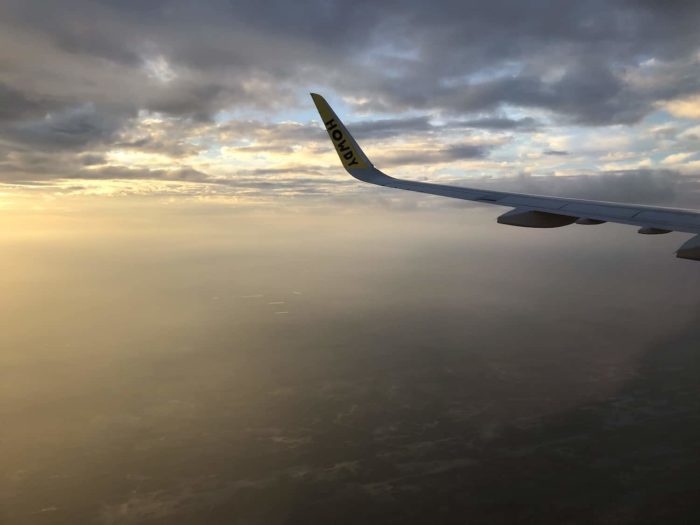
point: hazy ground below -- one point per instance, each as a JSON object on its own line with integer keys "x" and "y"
{"x": 190, "y": 364}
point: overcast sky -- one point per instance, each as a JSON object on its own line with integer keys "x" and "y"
{"x": 210, "y": 98}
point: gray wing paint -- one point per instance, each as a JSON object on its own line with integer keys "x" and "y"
{"x": 533, "y": 211}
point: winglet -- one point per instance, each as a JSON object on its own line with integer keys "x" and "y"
{"x": 350, "y": 154}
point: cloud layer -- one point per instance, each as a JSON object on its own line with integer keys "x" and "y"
{"x": 126, "y": 90}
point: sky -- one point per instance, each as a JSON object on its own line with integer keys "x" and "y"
{"x": 204, "y": 319}
{"x": 210, "y": 99}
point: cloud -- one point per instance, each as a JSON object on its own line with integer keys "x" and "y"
{"x": 556, "y": 153}
{"x": 390, "y": 127}
{"x": 72, "y": 128}
{"x": 677, "y": 157}
{"x": 688, "y": 107}
{"x": 14, "y": 104}
{"x": 107, "y": 173}
{"x": 462, "y": 56}
{"x": 184, "y": 80}
{"x": 386, "y": 128}
{"x": 449, "y": 153}
{"x": 499, "y": 123}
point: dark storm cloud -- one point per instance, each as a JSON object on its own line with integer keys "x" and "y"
{"x": 498, "y": 123}
{"x": 14, "y": 104}
{"x": 555, "y": 153}
{"x": 73, "y": 128}
{"x": 92, "y": 159}
{"x": 390, "y": 127}
{"x": 450, "y": 40}
{"x": 590, "y": 94}
{"x": 449, "y": 153}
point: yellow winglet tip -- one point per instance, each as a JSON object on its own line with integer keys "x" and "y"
{"x": 350, "y": 154}
{"x": 321, "y": 105}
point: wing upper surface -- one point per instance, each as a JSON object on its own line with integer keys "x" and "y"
{"x": 531, "y": 210}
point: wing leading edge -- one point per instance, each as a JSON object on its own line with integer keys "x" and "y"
{"x": 531, "y": 211}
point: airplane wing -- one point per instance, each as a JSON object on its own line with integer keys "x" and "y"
{"x": 531, "y": 211}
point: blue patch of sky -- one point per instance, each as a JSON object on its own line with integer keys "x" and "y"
{"x": 660, "y": 117}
